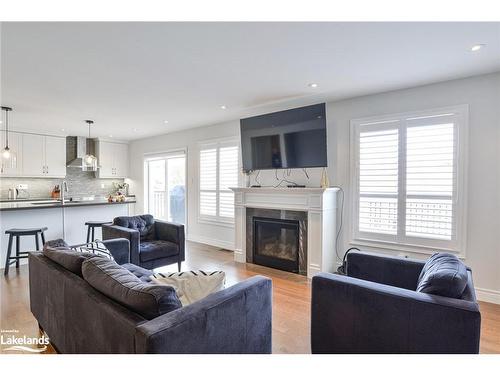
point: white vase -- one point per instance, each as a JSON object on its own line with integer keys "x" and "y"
{"x": 325, "y": 182}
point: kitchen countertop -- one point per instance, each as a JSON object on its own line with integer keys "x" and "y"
{"x": 2, "y": 200}
{"x": 30, "y": 205}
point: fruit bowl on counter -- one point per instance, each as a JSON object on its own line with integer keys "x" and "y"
{"x": 118, "y": 198}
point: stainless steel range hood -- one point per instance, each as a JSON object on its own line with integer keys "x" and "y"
{"x": 76, "y": 149}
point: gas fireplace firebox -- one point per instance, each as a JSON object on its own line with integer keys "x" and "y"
{"x": 276, "y": 243}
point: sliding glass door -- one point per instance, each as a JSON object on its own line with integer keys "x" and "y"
{"x": 165, "y": 181}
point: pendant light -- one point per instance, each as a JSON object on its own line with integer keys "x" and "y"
{"x": 89, "y": 160}
{"x": 9, "y": 157}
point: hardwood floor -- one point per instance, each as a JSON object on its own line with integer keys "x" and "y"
{"x": 291, "y": 301}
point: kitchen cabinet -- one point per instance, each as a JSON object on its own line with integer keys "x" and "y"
{"x": 15, "y": 144}
{"x": 121, "y": 160}
{"x": 113, "y": 159}
{"x": 43, "y": 156}
{"x": 55, "y": 156}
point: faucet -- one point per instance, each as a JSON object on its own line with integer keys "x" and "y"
{"x": 64, "y": 189}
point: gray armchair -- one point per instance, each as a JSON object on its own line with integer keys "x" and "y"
{"x": 375, "y": 309}
{"x": 153, "y": 243}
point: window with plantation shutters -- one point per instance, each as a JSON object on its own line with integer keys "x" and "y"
{"x": 219, "y": 163}
{"x": 409, "y": 180}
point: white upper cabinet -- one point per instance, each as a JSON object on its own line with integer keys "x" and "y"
{"x": 43, "y": 156}
{"x": 55, "y": 156}
{"x": 113, "y": 159}
{"x": 15, "y": 144}
{"x": 121, "y": 161}
{"x": 33, "y": 155}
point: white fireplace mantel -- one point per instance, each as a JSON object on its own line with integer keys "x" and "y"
{"x": 320, "y": 205}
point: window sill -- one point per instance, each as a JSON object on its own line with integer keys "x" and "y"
{"x": 220, "y": 223}
{"x": 406, "y": 248}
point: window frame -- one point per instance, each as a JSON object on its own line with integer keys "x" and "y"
{"x": 151, "y": 156}
{"x": 217, "y": 144}
{"x": 401, "y": 242}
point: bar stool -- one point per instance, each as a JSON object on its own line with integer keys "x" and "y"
{"x": 17, "y": 233}
{"x": 91, "y": 225}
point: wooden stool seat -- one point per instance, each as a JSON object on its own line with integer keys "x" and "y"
{"x": 25, "y": 232}
{"x": 17, "y": 233}
{"x": 91, "y": 225}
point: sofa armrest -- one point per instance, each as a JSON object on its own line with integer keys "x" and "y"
{"x": 119, "y": 249}
{"x": 171, "y": 232}
{"x": 384, "y": 269}
{"x": 234, "y": 320}
{"x": 115, "y": 231}
{"x": 350, "y": 315}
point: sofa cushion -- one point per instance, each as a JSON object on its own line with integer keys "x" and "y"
{"x": 119, "y": 284}
{"x": 56, "y": 244}
{"x": 142, "y": 273}
{"x": 143, "y": 223}
{"x": 151, "y": 250}
{"x": 66, "y": 257}
{"x": 444, "y": 275}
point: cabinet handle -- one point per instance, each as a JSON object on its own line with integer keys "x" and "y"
{"x": 47, "y": 169}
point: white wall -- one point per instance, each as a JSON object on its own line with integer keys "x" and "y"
{"x": 221, "y": 236}
{"x": 481, "y": 93}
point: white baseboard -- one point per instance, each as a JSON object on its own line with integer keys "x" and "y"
{"x": 488, "y": 295}
{"x": 226, "y": 245}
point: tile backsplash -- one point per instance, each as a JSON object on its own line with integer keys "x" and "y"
{"x": 80, "y": 183}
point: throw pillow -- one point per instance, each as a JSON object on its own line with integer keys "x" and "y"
{"x": 444, "y": 275}
{"x": 192, "y": 286}
{"x": 66, "y": 257}
{"x": 119, "y": 284}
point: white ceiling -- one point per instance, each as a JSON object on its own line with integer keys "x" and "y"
{"x": 136, "y": 75}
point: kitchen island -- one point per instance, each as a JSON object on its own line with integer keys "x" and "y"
{"x": 63, "y": 220}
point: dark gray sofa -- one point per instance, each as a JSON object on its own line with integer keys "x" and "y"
{"x": 375, "y": 309}
{"x": 153, "y": 243}
{"x": 79, "y": 319}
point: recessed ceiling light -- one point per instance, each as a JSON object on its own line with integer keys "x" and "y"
{"x": 165, "y": 122}
{"x": 134, "y": 129}
{"x": 110, "y": 136}
{"x": 477, "y": 47}
{"x": 313, "y": 85}
{"x": 223, "y": 107}
{"x": 63, "y": 130}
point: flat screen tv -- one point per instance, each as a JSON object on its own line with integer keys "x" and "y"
{"x": 295, "y": 138}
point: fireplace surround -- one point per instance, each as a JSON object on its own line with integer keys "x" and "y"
{"x": 317, "y": 210}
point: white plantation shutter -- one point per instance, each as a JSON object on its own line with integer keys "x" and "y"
{"x": 228, "y": 172}
{"x": 378, "y": 181}
{"x": 407, "y": 179}
{"x": 218, "y": 172}
{"x": 208, "y": 182}
{"x": 430, "y": 179}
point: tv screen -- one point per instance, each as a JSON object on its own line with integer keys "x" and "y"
{"x": 295, "y": 138}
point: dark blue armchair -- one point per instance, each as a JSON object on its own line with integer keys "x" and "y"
{"x": 375, "y": 309}
{"x": 153, "y": 243}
